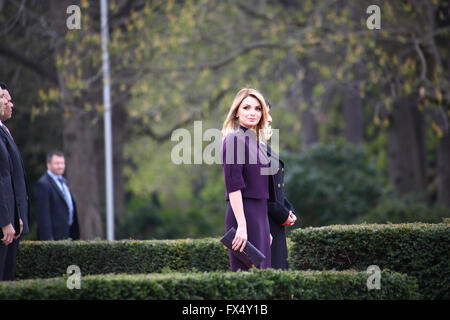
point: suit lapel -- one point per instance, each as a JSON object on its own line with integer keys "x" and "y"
{"x": 13, "y": 145}
{"x": 58, "y": 189}
{"x": 7, "y": 135}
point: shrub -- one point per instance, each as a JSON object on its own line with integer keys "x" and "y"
{"x": 146, "y": 220}
{"x": 255, "y": 284}
{"x": 417, "y": 249}
{"x": 142, "y": 222}
{"x": 46, "y": 259}
{"x": 331, "y": 184}
{"x": 406, "y": 209}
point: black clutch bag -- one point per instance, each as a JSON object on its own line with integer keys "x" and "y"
{"x": 250, "y": 256}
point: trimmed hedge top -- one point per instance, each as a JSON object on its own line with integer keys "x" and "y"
{"x": 254, "y": 284}
{"x": 417, "y": 249}
{"x": 374, "y": 227}
{"x": 47, "y": 259}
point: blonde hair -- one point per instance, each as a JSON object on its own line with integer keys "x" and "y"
{"x": 231, "y": 123}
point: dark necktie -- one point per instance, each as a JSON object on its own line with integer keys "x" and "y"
{"x": 67, "y": 197}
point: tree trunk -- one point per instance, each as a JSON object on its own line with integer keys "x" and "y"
{"x": 309, "y": 129}
{"x": 406, "y": 146}
{"x": 119, "y": 120}
{"x": 354, "y": 116}
{"x": 78, "y": 135}
{"x": 443, "y": 171}
{"x": 443, "y": 152}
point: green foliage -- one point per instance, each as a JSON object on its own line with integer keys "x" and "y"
{"x": 252, "y": 285}
{"x": 173, "y": 62}
{"x": 405, "y": 209}
{"x": 417, "y": 249}
{"x": 191, "y": 197}
{"x": 330, "y": 184}
{"x": 142, "y": 223}
{"x": 45, "y": 259}
{"x": 148, "y": 221}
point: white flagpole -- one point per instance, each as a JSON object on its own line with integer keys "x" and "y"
{"x": 107, "y": 123}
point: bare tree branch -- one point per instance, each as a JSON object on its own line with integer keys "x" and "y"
{"x": 10, "y": 53}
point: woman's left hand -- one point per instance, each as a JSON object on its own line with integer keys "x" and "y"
{"x": 293, "y": 217}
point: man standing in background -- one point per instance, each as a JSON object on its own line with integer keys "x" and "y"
{"x": 56, "y": 210}
{"x": 14, "y": 192}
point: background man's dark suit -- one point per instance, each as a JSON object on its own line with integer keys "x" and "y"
{"x": 52, "y": 211}
{"x": 278, "y": 213}
{"x": 20, "y": 198}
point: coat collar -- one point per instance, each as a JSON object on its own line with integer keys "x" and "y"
{"x": 56, "y": 187}
{"x": 243, "y": 128}
{"x": 274, "y": 155}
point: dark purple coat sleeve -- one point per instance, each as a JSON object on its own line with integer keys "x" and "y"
{"x": 232, "y": 171}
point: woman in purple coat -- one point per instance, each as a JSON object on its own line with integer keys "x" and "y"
{"x": 246, "y": 181}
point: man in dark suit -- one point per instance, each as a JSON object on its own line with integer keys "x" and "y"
{"x": 281, "y": 213}
{"x": 56, "y": 209}
{"x": 14, "y": 192}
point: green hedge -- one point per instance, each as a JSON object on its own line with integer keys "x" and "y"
{"x": 255, "y": 284}
{"x": 47, "y": 259}
{"x": 417, "y": 249}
